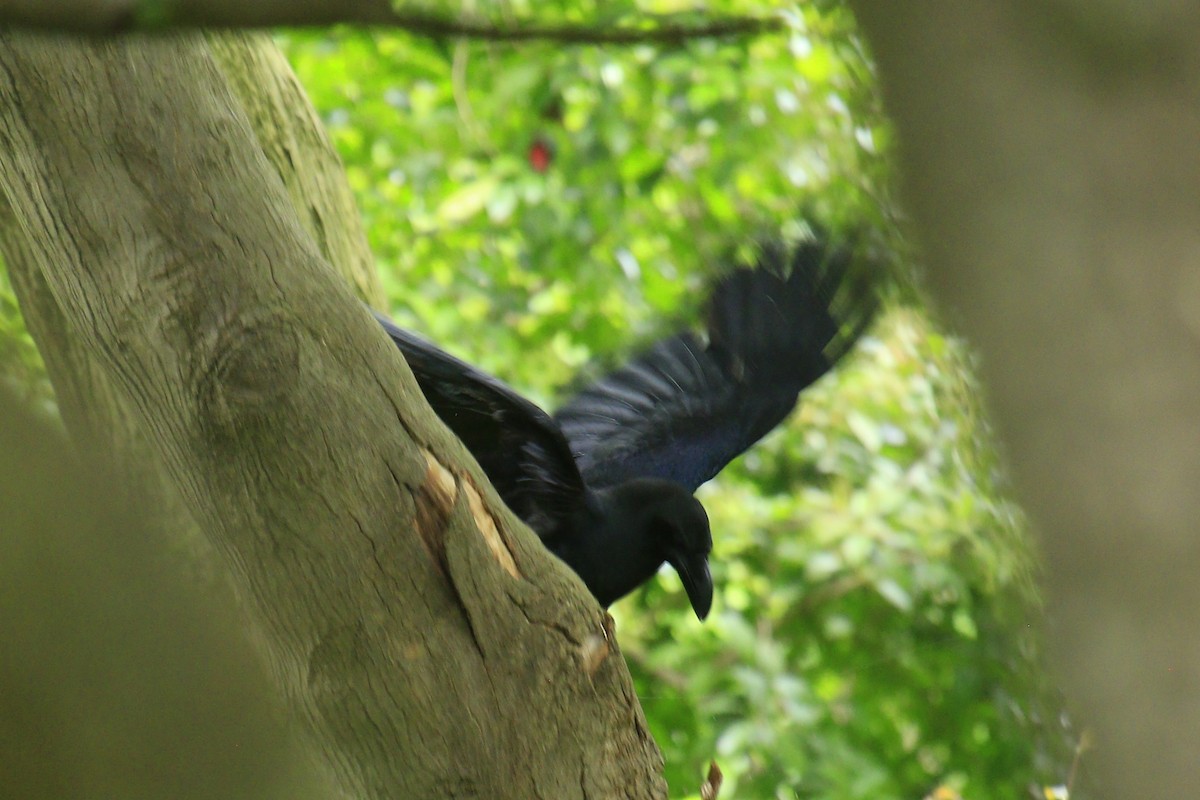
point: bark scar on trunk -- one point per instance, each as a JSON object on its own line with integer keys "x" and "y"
{"x": 440, "y": 481}
{"x": 487, "y": 528}
{"x": 435, "y": 501}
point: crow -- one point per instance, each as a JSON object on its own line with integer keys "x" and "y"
{"x": 607, "y": 481}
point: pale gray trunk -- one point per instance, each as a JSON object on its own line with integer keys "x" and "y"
{"x": 433, "y": 646}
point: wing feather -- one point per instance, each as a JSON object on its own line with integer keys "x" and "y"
{"x": 684, "y": 409}
{"x": 518, "y": 445}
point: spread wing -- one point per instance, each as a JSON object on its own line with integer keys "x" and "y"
{"x": 520, "y": 448}
{"x": 685, "y": 408}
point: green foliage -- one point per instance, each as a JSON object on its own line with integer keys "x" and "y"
{"x": 870, "y": 637}
{"x": 661, "y": 160}
{"x": 21, "y": 369}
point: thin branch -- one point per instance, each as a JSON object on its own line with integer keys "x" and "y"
{"x": 653, "y": 29}
{"x": 123, "y": 16}
{"x": 711, "y": 788}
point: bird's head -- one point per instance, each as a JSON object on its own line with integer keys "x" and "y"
{"x": 678, "y": 524}
{"x": 644, "y": 522}
{"x": 687, "y": 543}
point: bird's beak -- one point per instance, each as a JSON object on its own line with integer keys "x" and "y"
{"x": 697, "y": 580}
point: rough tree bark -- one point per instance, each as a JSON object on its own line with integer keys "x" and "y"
{"x": 290, "y": 134}
{"x": 431, "y": 644}
{"x": 295, "y": 142}
{"x": 1051, "y": 153}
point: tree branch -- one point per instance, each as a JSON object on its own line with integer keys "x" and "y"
{"x": 292, "y": 136}
{"x": 299, "y": 441}
{"x": 122, "y": 16}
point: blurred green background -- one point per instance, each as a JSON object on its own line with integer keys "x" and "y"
{"x": 542, "y": 210}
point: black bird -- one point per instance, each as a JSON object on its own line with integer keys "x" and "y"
{"x": 607, "y": 481}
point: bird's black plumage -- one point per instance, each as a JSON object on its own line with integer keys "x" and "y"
{"x": 607, "y": 481}
{"x": 685, "y": 408}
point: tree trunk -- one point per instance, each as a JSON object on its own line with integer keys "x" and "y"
{"x": 289, "y": 131}
{"x": 1051, "y": 154}
{"x": 432, "y": 645}
{"x": 291, "y": 135}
